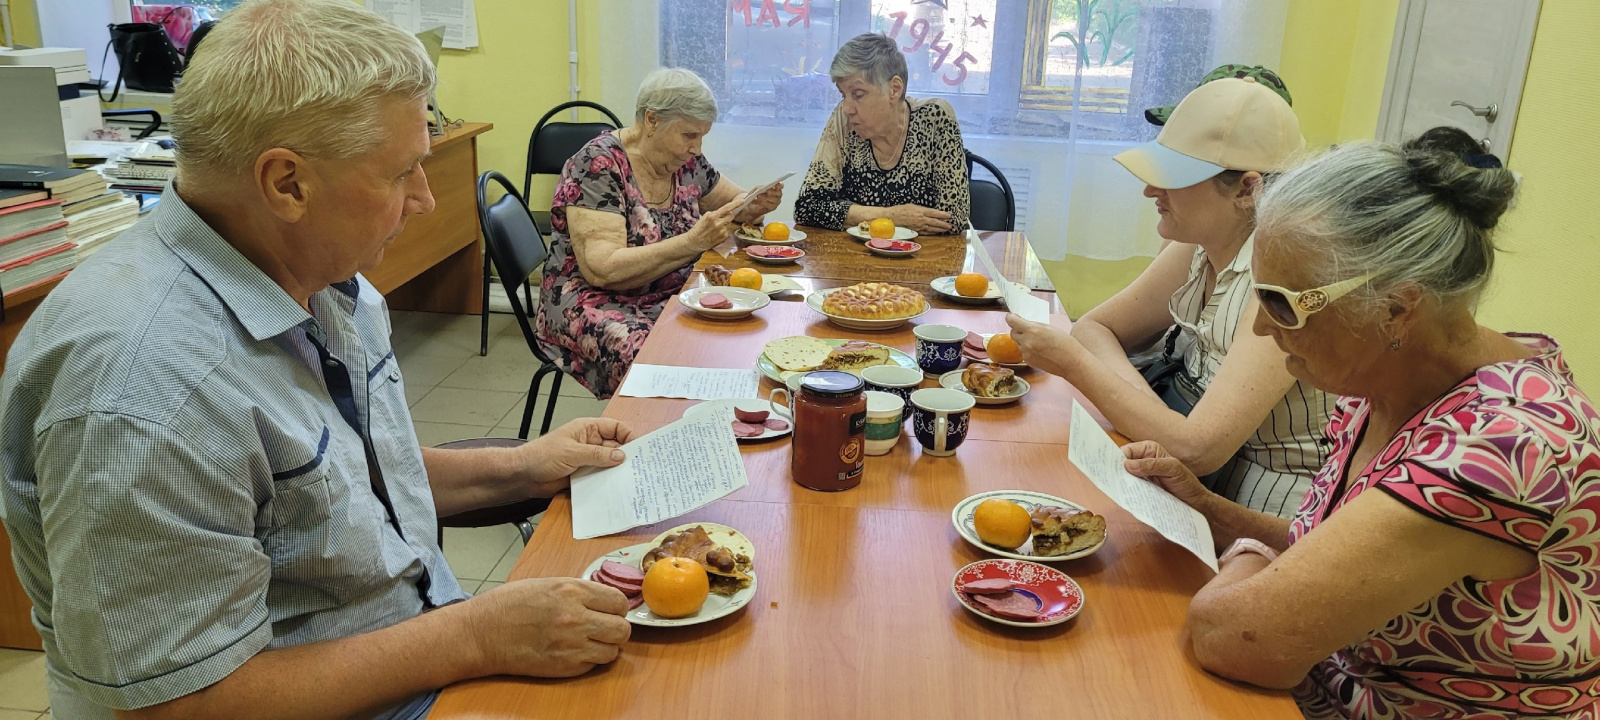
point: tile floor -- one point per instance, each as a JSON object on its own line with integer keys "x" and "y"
{"x": 453, "y": 394}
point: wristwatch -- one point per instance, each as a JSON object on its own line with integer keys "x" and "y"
{"x": 1247, "y": 545}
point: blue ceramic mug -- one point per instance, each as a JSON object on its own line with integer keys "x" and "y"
{"x": 939, "y": 348}
{"x": 940, "y": 419}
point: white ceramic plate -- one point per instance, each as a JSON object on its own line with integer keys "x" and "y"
{"x": 986, "y": 336}
{"x": 777, "y": 411}
{"x": 716, "y": 606}
{"x": 771, "y": 371}
{"x": 814, "y": 301}
{"x": 894, "y": 253}
{"x": 900, "y": 233}
{"x": 777, "y": 260}
{"x": 795, "y": 236}
{"x": 946, "y": 286}
{"x": 952, "y": 380}
{"x": 961, "y": 517}
{"x": 744, "y": 301}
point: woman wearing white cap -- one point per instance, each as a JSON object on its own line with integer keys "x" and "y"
{"x": 1226, "y": 406}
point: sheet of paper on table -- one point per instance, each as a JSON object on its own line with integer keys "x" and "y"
{"x": 1097, "y": 455}
{"x": 1018, "y": 299}
{"x": 671, "y": 381}
{"x": 677, "y": 469}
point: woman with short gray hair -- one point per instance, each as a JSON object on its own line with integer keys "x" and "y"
{"x": 882, "y": 154}
{"x": 632, "y": 212}
{"x": 1444, "y": 562}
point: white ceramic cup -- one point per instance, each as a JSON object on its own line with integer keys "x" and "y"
{"x": 790, "y": 388}
{"x": 892, "y": 379}
{"x": 885, "y": 417}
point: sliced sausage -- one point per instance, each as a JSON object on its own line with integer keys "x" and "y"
{"x": 776, "y": 425}
{"x": 715, "y": 301}
{"x": 744, "y": 429}
{"x": 629, "y": 589}
{"x": 988, "y": 586}
{"x": 625, "y": 573}
{"x": 1011, "y": 606}
{"x": 754, "y": 417}
{"x": 973, "y": 341}
{"x": 635, "y": 601}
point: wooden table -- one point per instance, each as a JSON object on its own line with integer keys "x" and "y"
{"x": 854, "y": 616}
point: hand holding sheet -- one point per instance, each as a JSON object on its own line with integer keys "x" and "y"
{"x": 1018, "y": 299}
{"x": 1098, "y": 456}
{"x": 751, "y": 196}
{"x": 678, "y": 468}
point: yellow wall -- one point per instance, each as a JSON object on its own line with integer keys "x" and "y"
{"x": 1548, "y": 270}
{"x": 1335, "y": 56}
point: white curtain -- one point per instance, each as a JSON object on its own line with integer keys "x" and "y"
{"x": 1048, "y": 90}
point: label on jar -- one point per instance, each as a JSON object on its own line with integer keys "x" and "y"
{"x": 858, "y": 423}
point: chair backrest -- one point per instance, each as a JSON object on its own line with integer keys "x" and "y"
{"x": 553, "y": 143}
{"x": 994, "y": 206}
{"x": 515, "y": 246}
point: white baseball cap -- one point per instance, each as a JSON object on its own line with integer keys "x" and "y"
{"x": 1226, "y": 124}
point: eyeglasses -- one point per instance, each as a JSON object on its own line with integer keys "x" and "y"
{"x": 1289, "y": 309}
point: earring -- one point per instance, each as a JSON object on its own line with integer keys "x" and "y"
{"x": 1394, "y": 346}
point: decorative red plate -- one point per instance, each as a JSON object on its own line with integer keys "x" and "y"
{"x": 1057, "y": 597}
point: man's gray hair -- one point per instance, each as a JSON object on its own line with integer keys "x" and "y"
{"x": 874, "y": 56}
{"x": 307, "y": 75}
{"x": 676, "y": 94}
{"x": 1415, "y": 213}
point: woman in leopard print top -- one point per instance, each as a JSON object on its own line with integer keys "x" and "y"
{"x": 883, "y": 154}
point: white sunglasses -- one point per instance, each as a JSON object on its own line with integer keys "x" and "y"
{"x": 1289, "y": 309}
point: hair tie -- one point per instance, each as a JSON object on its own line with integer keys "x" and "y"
{"x": 1482, "y": 161}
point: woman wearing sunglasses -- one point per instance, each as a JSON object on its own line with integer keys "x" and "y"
{"x": 1446, "y": 563}
{"x": 1220, "y": 400}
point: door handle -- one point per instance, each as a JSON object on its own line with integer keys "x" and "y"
{"x": 1490, "y": 112}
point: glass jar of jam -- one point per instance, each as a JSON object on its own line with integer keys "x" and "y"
{"x": 830, "y": 422}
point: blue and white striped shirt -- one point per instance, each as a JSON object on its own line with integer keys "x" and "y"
{"x": 186, "y": 457}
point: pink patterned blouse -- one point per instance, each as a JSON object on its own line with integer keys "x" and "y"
{"x": 1512, "y": 453}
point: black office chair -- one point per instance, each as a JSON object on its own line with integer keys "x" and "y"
{"x": 549, "y": 148}
{"x": 517, "y": 249}
{"x": 994, "y": 206}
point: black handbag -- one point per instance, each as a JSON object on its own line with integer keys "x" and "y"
{"x": 146, "y": 58}
{"x": 1167, "y": 378}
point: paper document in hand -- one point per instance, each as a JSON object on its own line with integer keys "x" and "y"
{"x": 1018, "y": 299}
{"x": 1097, "y": 455}
{"x": 690, "y": 383}
{"x": 674, "y": 470}
{"x": 750, "y": 197}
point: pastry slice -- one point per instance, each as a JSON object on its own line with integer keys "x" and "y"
{"x": 985, "y": 380}
{"x": 1063, "y": 531}
{"x": 727, "y": 570}
{"x": 855, "y": 355}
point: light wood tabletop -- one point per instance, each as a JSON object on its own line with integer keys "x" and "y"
{"x": 854, "y": 614}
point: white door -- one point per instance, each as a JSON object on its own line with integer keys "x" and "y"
{"x": 1461, "y": 63}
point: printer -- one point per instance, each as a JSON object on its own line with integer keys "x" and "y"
{"x": 71, "y": 64}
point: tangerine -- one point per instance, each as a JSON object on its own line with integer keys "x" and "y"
{"x": 676, "y": 587}
{"x": 1002, "y": 349}
{"x": 1001, "y": 523}
{"x": 748, "y": 278}
{"x": 775, "y": 231}
{"x": 972, "y": 285}
{"x": 881, "y": 228}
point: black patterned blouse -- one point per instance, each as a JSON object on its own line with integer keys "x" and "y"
{"x": 932, "y": 171}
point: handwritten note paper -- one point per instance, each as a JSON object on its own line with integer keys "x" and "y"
{"x": 678, "y": 468}
{"x": 1018, "y": 299}
{"x": 1098, "y": 456}
{"x": 669, "y": 381}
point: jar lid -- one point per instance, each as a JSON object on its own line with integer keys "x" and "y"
{"x": 831, "y": 383}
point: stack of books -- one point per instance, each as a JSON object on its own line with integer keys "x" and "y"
{"x": 68, "y": 186}
{"x": 34, "y": 247}
{"x": 90, "y": 227}
{"x": 144, "y": 170}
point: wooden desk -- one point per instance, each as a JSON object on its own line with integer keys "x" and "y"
{"x": 854, "y": 616}
{"x": 435, "y": 265}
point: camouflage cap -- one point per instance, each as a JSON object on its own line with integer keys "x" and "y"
{"x": 1268, "y": 78}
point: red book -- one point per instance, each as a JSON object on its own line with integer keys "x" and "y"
{"x": 22, "y": 219}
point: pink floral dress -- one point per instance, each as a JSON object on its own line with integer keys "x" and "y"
{"x": 594, "y": 334}
{"x": 1512, "y": 453}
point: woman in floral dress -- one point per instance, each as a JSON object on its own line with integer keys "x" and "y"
{"x": 1446, "y": 562}
{"x": 633, "y": 211}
